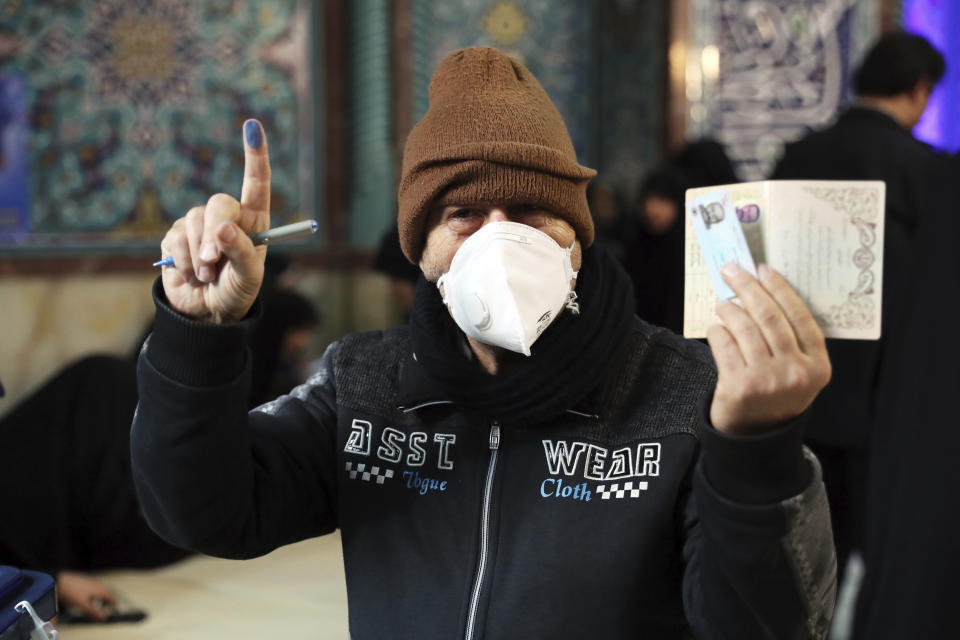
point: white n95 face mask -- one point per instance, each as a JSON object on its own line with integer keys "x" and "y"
{"x": 507, "y": 283}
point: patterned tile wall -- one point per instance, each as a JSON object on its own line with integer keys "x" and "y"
{"x": 629, "y": 85}
{"x": 373, "y": 202}
{"x": 136, "y": 107}
{"x": 603, "y": 64}
{"x": 764, "y": 73}
{"x": 553, "y": 39}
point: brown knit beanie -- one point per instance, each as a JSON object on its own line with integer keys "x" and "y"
{"x": 491, "y": 135}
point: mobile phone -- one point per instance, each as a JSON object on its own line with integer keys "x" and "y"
{"x": 76, "y": 616}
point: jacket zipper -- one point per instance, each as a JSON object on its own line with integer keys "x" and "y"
{"x": 484, "y": 530}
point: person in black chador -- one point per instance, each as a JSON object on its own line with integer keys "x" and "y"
{"x": 70, "y": 507}
{"x": 869, "y": 141}
{"x": 655, "y": 257}
{"x": 390, "y": 261}
{"x": 615, "y": 225}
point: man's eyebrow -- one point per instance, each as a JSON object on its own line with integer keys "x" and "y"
{"x": 436, "y": 212}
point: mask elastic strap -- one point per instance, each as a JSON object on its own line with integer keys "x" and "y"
{"x": 572, "y": 303}
{"x": 442, "y": 289}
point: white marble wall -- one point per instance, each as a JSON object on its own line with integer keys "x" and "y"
{"x": 46, "y": 322}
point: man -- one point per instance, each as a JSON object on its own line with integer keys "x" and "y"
{"x": 526, "y": 460}
{"x": 912, "y": 520}
{"x": 869, "y": 141}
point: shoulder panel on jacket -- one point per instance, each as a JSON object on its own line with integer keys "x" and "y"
{"x": 657, "y": 388}
{"x": 366, "y": 368}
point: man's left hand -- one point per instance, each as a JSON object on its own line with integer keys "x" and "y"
{"x": 771, "y": 356}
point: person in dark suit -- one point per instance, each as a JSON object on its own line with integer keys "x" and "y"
{"x": 871, "y": 140}
{"x": 912, "y": 518}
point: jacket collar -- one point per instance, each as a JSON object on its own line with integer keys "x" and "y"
{"x": 417, "y": 392}
{"x": 860, "y": 113}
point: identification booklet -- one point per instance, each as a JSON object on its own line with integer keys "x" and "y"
{"x": 824, "y": 236}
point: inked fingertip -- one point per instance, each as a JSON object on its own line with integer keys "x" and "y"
{"x": 253, "y": 134}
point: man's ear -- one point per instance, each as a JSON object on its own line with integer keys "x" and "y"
{"x": 920, "y": 93}
{"x": 424, "y": 268}
{"x": 919, "y": 97}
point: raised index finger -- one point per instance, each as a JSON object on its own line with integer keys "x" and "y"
{"x": 255, "y": 193}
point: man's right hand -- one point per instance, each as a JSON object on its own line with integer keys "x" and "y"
{"x": 217, "y": 271}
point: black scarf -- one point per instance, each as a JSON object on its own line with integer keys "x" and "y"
{"x": 567, "y": 361}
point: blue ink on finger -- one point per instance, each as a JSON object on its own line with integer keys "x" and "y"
{"x": 253, "y": 134}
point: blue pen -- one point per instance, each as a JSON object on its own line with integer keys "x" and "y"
{"x": 286, "y": 232}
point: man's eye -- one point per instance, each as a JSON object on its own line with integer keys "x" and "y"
{"x": 464, "y": 216}
{"x": 464, "y": 220}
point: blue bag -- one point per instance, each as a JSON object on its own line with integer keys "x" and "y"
{"x": 18, "y": 622}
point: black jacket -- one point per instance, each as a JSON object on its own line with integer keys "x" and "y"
{"x": 913, "y": 514}
{"x": 600, "y": 524}
{"x": 863, "y": 144}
